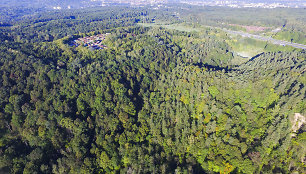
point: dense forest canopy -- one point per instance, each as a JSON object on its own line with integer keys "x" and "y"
{"x": 156, "y": 100}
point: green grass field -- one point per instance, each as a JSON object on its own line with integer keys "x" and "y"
{"x": 246, "y": 47}
{"x": 179, "y": 27}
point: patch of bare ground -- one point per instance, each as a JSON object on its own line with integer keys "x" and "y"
{"x": 297, "y": 122}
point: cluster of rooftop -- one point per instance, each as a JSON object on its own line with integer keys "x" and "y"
{"x": 92, "y": 42}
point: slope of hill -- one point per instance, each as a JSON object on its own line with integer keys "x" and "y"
{"x": 153, "y": 100}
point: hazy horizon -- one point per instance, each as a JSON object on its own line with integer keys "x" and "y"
{"x": 87, "y": 3}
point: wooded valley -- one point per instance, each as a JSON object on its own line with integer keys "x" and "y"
{"x": 155, "y": 100}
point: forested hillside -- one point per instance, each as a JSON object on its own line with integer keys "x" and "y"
{"x": 154, "y": 101}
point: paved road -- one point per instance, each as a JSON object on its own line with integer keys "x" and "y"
{"x": 269, "y": 39}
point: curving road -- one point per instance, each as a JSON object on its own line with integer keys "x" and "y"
{"x": 269, "y": 39}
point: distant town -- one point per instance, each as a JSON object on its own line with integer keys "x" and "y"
{"x": 75, "y": 4}
{"x": 228, "y": 3}
{"x": 92, "y": 42}
{"x": 249, "y": 3}
{"x": 221, "y": 3}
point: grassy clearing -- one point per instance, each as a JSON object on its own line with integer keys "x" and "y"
{"x": 246, "y": 47}
{"x": 179, "y": 27}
